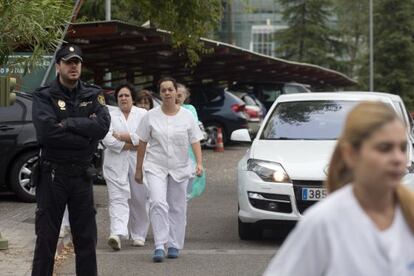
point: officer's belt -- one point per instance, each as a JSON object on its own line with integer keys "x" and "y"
{"x": 67, "y": 168}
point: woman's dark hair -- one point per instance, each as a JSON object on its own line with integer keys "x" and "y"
{"x": 127, "y": 85}
{"x": 145, "y": 95}
{"x": 167, "y": 79}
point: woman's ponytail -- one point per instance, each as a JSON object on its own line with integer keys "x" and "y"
{"x": 406, "y": 200}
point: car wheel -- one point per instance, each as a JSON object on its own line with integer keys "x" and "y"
{"x": 21, "y": 171}
{"x": 249, "y": 231}
{"x": 211, "y": 130}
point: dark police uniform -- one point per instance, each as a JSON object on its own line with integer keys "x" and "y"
{"x": 69, "y": 125}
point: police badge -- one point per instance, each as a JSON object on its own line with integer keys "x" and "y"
{"x": 101, "y": 99}
{"x": 62, "y": 104}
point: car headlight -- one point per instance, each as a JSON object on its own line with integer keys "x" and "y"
{"x": 268, "y": 171}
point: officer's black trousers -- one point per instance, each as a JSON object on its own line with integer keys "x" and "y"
{"x": 57, "y": 187}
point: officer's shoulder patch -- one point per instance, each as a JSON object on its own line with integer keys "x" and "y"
{"x": 101, "y": 99}
{"x": 42, "y": 88}
{"x": 41, "y": 91}
{"x": 91, "y": 85}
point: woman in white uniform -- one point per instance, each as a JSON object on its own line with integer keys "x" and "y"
{"x": 366, "y": 225}
{"x": 169, "y": 130}
{"x": 182, "y": 100}
{"x": 128, "y": 210}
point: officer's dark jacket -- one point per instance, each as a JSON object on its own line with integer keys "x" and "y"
{"x": 76, "y": 138}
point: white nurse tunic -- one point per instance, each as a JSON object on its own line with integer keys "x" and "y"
{"x": 168, "y": 168}
{"x": 127, "y": 199}
{"x": 337, "y": 238}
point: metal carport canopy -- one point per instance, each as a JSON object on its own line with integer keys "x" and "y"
{"x": 131, "y": 51}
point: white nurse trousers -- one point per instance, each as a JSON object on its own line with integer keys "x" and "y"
{"x": 128, "y": 215}
{"x": 168, "y": 210}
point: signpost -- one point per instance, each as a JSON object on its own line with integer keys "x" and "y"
{"x": 4, "y": 244}
{"x": 27, "y": 81}
{"x": 7, "y": 95}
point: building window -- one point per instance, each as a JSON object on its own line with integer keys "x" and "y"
{"x": 262, "y": 40}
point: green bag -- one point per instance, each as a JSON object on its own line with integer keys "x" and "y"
{"x": 199, "y": 185}
{"x": 199, "y": 182}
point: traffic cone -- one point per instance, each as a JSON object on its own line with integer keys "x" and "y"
{"x": 219, "y": 144}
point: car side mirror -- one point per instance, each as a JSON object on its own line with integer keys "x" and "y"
{"x": 240, "y": 135}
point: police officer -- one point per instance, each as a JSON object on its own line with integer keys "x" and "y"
{"x": 70, "y": 118}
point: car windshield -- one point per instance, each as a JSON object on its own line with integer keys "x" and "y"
{"x": 307, "y": 120}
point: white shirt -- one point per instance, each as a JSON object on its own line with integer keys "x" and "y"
{"x": 169, "y": 138}
{"x": 116, "y": 161}
{"x": 337, "y": 238}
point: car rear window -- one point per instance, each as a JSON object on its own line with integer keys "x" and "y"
{"x": 248, "y": 100}
{"x": 307, "y": 120}
{"x": 291, "y": 88}
{"x": 214, "y": 95}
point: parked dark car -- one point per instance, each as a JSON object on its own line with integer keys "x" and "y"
{"x": 254, "y": 109}
{"x": 217, "y": 108}
{"x": 252, "y": 100}
{"x": 18, "y": 147}
{"x": 268, "y": 92}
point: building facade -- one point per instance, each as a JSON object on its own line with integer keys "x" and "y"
{"x": 251, "y": 24}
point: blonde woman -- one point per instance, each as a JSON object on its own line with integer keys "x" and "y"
{"x": 366, "y": 225}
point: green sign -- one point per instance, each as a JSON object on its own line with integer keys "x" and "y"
{"x": 32, "y": 79}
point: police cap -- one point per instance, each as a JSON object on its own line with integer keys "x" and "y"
{"x": 67, "y": 52}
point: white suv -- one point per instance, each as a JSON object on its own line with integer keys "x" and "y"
{"x": 282, "y": 174}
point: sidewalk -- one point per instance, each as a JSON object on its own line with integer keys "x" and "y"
{"x": 17, "y": 226}
{"x": 212, "y": 245}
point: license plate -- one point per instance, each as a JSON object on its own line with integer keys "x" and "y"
{"x": 313, "y": 194}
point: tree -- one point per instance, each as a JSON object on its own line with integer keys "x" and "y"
{"x": 186, "y": 19}
{"x": 352, "y": 24}
{"x": 394, "y": 48}
{"x": 308, "y": 36}
{"x": 32, "y": 25}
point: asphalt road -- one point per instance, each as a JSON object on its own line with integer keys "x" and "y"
{"x": 17, "y": 227}
{"x": 212, "y": 245}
